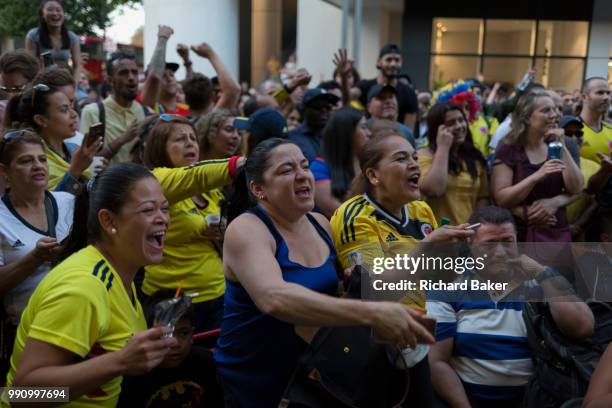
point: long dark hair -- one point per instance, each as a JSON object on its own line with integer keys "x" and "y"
{"x": 241, "y": 199}
{"x": 22, "y": 108}
{"x": 109, "y": 190}
{"x": 43, "y": 30}
{"x": 468, "y": 153}
{"x": 338, "y": 148}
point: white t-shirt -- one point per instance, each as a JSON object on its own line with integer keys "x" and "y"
{"x": 18, "y": 238}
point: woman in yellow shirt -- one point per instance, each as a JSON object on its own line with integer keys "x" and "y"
{"x": 388, "y": 219}
{"x": 454, "y": 180}
{"x": 49, "y": 112}
{"x": 192, "y": 256}
{"x": 83, "y": 327}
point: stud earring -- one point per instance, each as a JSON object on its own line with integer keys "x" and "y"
{"x": 113, "y": 231}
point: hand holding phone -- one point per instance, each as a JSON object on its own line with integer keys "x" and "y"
{"x": 96, "y": 131}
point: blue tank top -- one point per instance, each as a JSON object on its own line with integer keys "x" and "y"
{"x": 257, "y": 353}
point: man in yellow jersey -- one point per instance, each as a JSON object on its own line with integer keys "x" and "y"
{"x": 595, "y": 104}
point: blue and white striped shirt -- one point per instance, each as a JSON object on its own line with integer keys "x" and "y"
{"x": 490, "y": 352}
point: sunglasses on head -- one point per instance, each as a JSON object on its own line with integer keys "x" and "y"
{"x": 14, "y": 89}
{"x": 8, "y": 136}
{"x": 39, "y": 88}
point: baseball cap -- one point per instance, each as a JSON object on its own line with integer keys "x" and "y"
{"x": 377, "y": 89}
{"x": 389, "y": 49}
{"x": 315, "y": 93}
{"x": 264, "y": 124}
{"x": 567, "y": 119}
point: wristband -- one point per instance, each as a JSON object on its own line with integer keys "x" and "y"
{"x": 188, "y": 63}
{"x": 232, "y": 165}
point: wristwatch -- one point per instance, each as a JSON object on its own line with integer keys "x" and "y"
{"x": 547, "y": 273}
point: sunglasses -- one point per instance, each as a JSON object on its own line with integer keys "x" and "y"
{"x": 38, "y": 88}
{"x": 577, "y": 133}
{"x": 14, "y": 89}
{"x": 8, "y": 136}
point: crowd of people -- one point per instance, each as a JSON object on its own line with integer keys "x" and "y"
{"x": 260, "y": 206}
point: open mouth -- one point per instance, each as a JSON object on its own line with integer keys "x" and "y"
{"x": 190, "y": 156}
{"x": 303, "y": 192}
{"x": 156, "y": 240}
{"x": 413, "y": 180}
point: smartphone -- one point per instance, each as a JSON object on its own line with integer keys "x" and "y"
{"x": 47, "y": 59}
{"x": 96, "y": 131}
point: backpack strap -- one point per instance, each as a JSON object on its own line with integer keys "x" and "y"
{"x": 101, "y": 113}
{"x": 52, "y": 214}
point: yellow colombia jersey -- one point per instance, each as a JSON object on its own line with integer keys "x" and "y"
{"x": 82, "y": 306}
{"x": 188, "y": 255}
{"x": 360, "y": 224}
{"x": 594, "y": 142}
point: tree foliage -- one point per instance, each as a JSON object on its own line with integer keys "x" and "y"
{"x": 84, "y": 17}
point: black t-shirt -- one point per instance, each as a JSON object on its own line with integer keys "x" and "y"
{"x": 406, "y": 97}
{"x": 191, "y": 384}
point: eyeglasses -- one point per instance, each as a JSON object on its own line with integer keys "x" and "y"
{"x": 39, "y": 88}
{"x": 14, "y": 89}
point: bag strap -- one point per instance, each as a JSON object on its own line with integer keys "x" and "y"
{"x": 51, "y": 211}
{"x": 101, "y": 113}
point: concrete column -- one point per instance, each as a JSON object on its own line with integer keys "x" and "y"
{"x": 416, "y": 46}
{"x": 266, "y": 36}
{"x": 194, "y": 21}
{"x": 600, "y": 40}
{"x": 372, "y": 39}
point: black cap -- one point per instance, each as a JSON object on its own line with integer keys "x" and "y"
{"x": 264, "y": 124}
{"x": 389, "y": 49}
{"x": 319, "y": 93}
{"x": 567, "y": 119}
{"x": 172, "y": 66}
{"x": 377, "y": 89}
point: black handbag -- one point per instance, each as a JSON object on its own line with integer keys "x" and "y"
{"x": 346, "y": 367}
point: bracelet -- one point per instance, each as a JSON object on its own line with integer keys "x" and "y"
{"x": 188, "y": 63}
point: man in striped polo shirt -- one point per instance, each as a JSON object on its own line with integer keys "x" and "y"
{"x": 481, "y": 356}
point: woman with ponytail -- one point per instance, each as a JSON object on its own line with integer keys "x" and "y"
{"x": 192, "y": 254}
{"x": 52, "y": 36}
{"x": 33, "y": 222}
{"x": 278, "y": 259}
{"x": 49, "y": 112}
{"x": 83, "y": 327}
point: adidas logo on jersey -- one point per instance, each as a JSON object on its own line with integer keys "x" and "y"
{"x": 18, "y": 244}
{"x": 391, "y": 238}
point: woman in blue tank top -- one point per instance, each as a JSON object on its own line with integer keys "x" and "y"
{"x": 279, "y": 264}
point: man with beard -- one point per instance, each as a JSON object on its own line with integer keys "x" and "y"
{"x": 481, "y": 357}
{"x": 121, "y": 111}
{"x": 316, "y": 107}
{"x": 389, "y": 65}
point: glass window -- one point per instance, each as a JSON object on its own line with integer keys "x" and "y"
{"x": 560, "y": 73}
{"x": 446, "y": 68}
{"x": 563, "y": 38}
{"x": 509, "y": 70}
{"x": 457, "y": 35}
{"x": 510, "y": 37}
